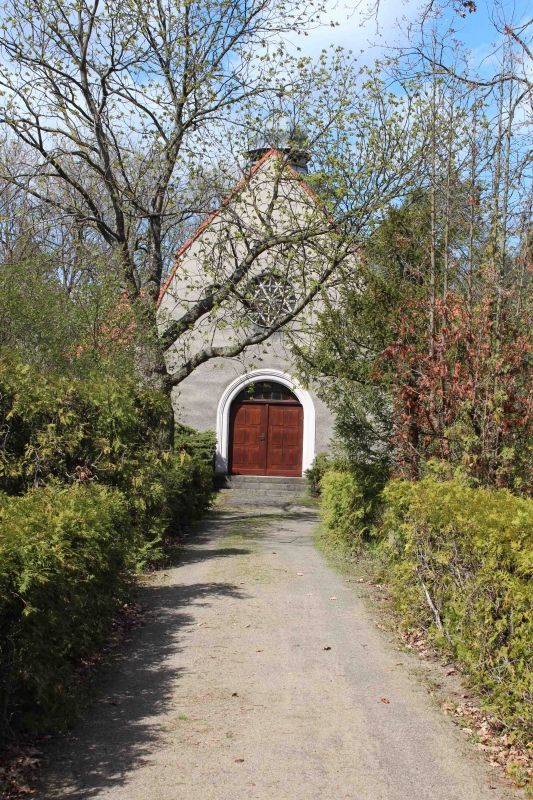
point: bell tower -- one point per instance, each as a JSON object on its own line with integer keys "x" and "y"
{"x": 292, "y": 144}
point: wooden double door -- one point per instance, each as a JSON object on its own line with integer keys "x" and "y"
{"x": 266, "y": 438}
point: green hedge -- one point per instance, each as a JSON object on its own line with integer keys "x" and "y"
{"x": 468, "y": 552}
{"x": 165, "y": 492}
{"x": 112, "y": 431}
{"x": 66, "y": 556}
{"x": 344, "y": 508}
{"x": 88, "y": 493}
{"x": 65, "y": 553}
{"x": 314, "y": 474}
{"x": 54, "y": 425}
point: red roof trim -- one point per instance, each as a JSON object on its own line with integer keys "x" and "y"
{"x": 209, "y": 219}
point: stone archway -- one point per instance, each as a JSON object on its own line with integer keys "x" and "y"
{"x": 224, "y": 426}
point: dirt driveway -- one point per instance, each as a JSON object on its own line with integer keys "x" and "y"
{"x": 260, "y": 674}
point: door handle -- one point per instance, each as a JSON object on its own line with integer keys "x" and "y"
{"x": 262, "y": 437}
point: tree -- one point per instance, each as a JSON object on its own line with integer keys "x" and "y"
{"x": 57, "y": 287}
{"x": 452, "y": 380}
{"x": 354, "y": 331}
{"x": 120, "y": 106}
{"x": 428, "y": 355}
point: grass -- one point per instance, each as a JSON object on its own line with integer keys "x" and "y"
{"x": 344, "y": 560}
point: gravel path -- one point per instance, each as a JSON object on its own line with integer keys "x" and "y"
{"x": 260, "y": 674}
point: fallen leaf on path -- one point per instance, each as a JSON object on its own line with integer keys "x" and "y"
{"x": 384, "y": 701}
{"x": 258, "y": 651}
{"x": 234, "y": 694}
{"x": 327, "y": 647}
{"x": 239, "y": 760}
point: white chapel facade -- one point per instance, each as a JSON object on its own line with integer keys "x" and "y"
{"x": 266, "y": 422}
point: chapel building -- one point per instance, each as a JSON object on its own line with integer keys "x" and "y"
{"x": 266, "y": 422}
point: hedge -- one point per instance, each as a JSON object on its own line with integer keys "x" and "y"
{"x": 345, "y": 510}
{"x": 165, "y": 493}
{"x": 54, "y": 425}
{"x": 460, "y": 561}
{"x": 56, "y": 428}
{"x": 65, "y": 553}
{"x": 88, "y": 493}
{"x": 322, "y": 463}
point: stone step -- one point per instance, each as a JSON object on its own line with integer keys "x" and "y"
{"x": 267, "y": 480}
{"x": 267, "y": 490}
{"x": 263, "y": 490}
{"x": 259, "y": 500}
{"x": 232, "y": 498}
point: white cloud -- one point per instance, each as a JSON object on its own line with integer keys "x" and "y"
{"x": 357, "y": 28}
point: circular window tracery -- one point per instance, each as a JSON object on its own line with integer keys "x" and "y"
{"x": 268, "y": 298}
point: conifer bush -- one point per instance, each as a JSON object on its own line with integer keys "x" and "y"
{"x": 460, "y": 562}
{"x": 89, "y": 489}
{"x": 343, "y": 508}
{"x": 314, "y": 474}
{"x": 102, "y": 430}
{"x": 65, "y": 553}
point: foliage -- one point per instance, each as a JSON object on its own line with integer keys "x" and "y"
{"x": 165, "y": 493}
{"x": 421, "y": 362}
{"x": 57, "y": 317}
{"x": 466, "y": 399}
{"x": 24, "y": 288}
{"x": 64, "y": 555}
{"x": 314, "y": 474}
{"x": 201, "y": 444}
{"x": 55, "y": 425}
{"x": 459, "y": 559}
{"x": 89, "y": 495}
{"x": 345, "y": 511}
{"x": 353, "y": 332}
{"x": 106, "y": 430}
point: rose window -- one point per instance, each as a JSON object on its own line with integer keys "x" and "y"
{"x": 268, "y": 298}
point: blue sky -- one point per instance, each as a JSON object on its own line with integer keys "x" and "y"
{"x": 359, "y": 31}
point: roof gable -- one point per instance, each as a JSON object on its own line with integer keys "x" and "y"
{"x": 272, "y": 153}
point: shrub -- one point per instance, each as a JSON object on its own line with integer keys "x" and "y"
{"x": 65, "y": 554}
{"x": 165, "y": 492}
{"x": 343, "y": 507}
{"x": 460, "y": 560}
{"x": 198, "y": 444}
{"x": 90, "y": 493}
{"x": 54, "y": 427}
{"x": 316, "y": 472}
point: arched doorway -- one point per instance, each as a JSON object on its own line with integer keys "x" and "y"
{"x": 266, "y": 431}
{"x": 235, "y": 387}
